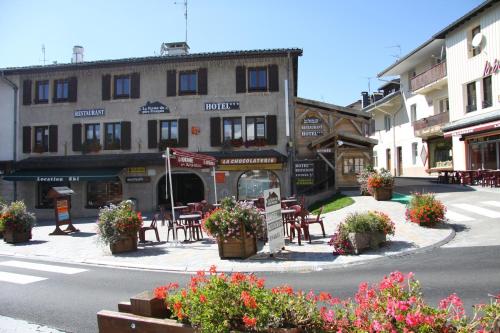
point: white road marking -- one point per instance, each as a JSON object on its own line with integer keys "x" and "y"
{"x": 42, "y": 267}
{"x": 492, "y": 203}
{"x": 19, "y": 278}
{"x": 478, "y": 210}
{"x": 457, "y": 217}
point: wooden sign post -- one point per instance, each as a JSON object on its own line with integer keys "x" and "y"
{"x": 61, "y": 196}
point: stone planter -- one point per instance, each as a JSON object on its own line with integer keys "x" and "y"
{"x": 13, "y": 237}
{"x": 382, "y": 193}
{"x": 366, "y": 240}
{"x": 377, "y": 238}
{"x": 125, "y": 244}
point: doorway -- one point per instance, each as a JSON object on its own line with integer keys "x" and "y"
{"x": 187, "y": 187}
{"x": 400, "y": 161}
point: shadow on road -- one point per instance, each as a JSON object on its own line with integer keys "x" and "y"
{"x": 409, "y": 185}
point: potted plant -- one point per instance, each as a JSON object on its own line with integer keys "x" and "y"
{"x": 170, "y": 143}
{"x": 362, "y": 179}
{"x": 425, "y": 210}
{"x": 380, "y": 185}
{"x": 360, "y": 231}
{"x": 235, "y": 226}
{"x": 118, "y": 226}
{"x": 91, "y": 146}
{"x": 16, "y": 223}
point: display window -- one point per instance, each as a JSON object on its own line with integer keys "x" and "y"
{"x": 100, "y": 194}
{"x": 252, "y": 184}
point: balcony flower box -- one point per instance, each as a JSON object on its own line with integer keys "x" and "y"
{"x": 91, "y": 146}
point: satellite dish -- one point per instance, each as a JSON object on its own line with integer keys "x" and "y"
{"x": 477, "y": 40}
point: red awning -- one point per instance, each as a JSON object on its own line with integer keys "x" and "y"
{"x": 473, "y": 129}
{"x": 185, "y": 159}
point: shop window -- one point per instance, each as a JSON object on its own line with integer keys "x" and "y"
{"x": 414, "y": 152}
{"x": 61, "y": 90}
{"x": 232, "y": 129}
{"x": 188, "y": 81}
{"x": 257, "y": 79}
{"x": 122, "y": 86}
{"x": 444, "y": 105}
{"x": 252, "y": 184}
{"x": 413, "y": 114}
{"x": 169, "y": 130}
{"x": 353, "y": 165}
{"x": 43, "y": 202}
{"x": 42, "y": 92}
{"x": 100, "y": 194}
{"x": 112, "y": 139}
{"x": 41, "y": 139}
{"x": 487, "y": 92}
{"x": 387, "y": 122}
{"x": 471, "y": 97}
{"x": 255, "y": 128}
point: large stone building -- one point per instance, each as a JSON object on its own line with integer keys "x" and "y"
{"x": 8, "y": 98}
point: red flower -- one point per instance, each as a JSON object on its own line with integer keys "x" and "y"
{"x": 249, "y": 322}
{"x": 248, "y": 300}
{"x": 203, "y": 299}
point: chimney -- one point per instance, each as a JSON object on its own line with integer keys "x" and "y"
{"x": 77, "y": 54}
{"x": 365, "y": 99}
{"x": 177, "y": 48}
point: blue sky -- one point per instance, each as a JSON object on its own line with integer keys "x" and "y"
{"x": 344, "y": 42}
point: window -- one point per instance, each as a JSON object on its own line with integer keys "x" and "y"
{"x": 122, "y": 86}
{"x": 92, "y": 132}
{"x": 375, "y": 159}
{"x": 232, "y": 128}
{"x": 252, "y": 184}
{"x": 100, "y": 193}
{"x": 444, "y": 105}
{"x": 43, "y": 189}
{"x": 387, "y": 122}
{"x": 256, "y": 127}
{"x": 187, "y": 82}
{"x": 41, "y": 139}
{"x": 169, "y": 130}
{"x": 471, "y": 97}
{"x": 257, "y": 79}
{"x": 475, "y": 50}
{"x": 414, "y": 152}
{"x": 61, "y": 90}
{"x": 42, "y": 88}
{"x": 112, "y": 137}
{"x": 413, "y": 111}
{"x": 487, "y": 92}
{"x": 353, "y": 165}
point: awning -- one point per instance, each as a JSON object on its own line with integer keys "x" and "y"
{"x": 64, "y": 175}
{"x": 472, "y": 124}
{"x": 474, "y": 129}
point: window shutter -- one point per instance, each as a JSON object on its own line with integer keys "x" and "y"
{"x": 53, "y": 138}
{"x": 26, "y": 92}
{"x": 135, "y": 88}
{"x": 126, "y": 139}
{"x": 215, "y": 132}
{"x": 77, "y": 137}
{"x": 72, "y": 89}
{"x": 152, "y": 134}
{"x": 106, "y": 87}
{"x": 273, "y": 78}
{"x": 171, "y": 83}
{"x": 202, "y": 81}
{"x": 183, "y": 133}
{"x": 26, "y": 139}
{"x": 241, "y": 82}
{"x": 36, "y": 93}
{"x": 272, "y": 129}
{"x": 54, "y": 91}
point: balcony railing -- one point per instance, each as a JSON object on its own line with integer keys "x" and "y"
{"x": 430, "y": 125}
{"x": 429, "y": 76}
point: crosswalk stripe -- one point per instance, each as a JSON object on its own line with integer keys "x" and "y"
{"x": 19, "y": 278}
{"x": 477, "y": 210}
{"x": 42, "y": 267}
{"x": 457, "y": 217}
{"x": 492, "y": 203}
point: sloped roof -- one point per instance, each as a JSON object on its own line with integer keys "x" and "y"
{"x": 332, "y": 107}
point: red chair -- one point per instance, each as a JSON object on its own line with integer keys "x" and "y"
{"x": 311, "y": 219}
{"x": 298, "y": 224}
{"x": 152, "y": 226}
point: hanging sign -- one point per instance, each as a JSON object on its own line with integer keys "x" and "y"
{"x": 222, "y": 106}
{"x": 153, "y": 107}
{"x": 89, "y": 113}
{"x": 311, "y": 126}
{"x": 274, "y": 222}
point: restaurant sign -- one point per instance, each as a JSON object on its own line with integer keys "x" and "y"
{"x": 473, "y": 129}
{"x": 153, "y": 107}
{"x": 89, "y": 113}
{"x": 274, "y": 222}
{"x": 222, "y": 106}
{"x": 312, "y": 126}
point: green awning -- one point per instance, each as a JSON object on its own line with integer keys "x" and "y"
{"x": 64, "y": 175}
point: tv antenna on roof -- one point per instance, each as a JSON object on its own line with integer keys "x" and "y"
{"x": 185, "y": 3}
{"x": 43, "y": 60}
{"x": 369, "y": 78}
{"x": 398, "y": 46}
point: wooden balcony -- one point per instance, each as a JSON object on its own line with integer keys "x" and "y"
{"x": 427, "y": 79}
{"x": 431, "y": 126}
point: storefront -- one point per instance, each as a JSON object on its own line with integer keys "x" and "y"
{"x": 440, "y": 153}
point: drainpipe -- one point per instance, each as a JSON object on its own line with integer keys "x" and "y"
{"x": 14, "y": 153}
{"x": 290, "y": 128}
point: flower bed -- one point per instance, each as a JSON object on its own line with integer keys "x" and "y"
{"x": 371, "y": 223}
{"x": 425, "y": 210}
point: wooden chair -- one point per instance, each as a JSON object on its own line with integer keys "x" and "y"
{"x": 311, "y": 219}
{"x": 196, "y": 226}
{"x": 152, "y": 226}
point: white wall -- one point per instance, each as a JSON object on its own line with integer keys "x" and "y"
{"x": 7, "y": 121}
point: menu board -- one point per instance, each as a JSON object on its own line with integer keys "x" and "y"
{"x": 274, "y": 223}
{"x": 62, "y": 210}
{"x": 304, "y": 173}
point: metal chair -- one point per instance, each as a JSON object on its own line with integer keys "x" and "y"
{"x": 152, "y": 226}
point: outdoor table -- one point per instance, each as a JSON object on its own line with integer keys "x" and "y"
{"x": 289, "y": 202}
{"x": 190, "y": 219}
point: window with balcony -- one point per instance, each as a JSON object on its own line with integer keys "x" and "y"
{"x": 413, "y": 112}
{"x": 387, "y": 122}
{"x": 255, "y": 128}
{"x": 487, "y": 92}
{"x": 471, "y": 97}
{"x": 232, "y": 129}
{"x": 112, "y": 139}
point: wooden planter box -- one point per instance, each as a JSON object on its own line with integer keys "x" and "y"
{"x": 382, "y": 193}
{"x": 369, "y": 240}
{"x": 10, "y": 236}
{"x": 125, "y": 244}
{"x": 241, "y": 248}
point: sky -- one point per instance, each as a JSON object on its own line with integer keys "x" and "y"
{"x": 345, "y": 43}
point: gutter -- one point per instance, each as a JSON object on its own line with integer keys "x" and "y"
{"x": 14, "y": 153}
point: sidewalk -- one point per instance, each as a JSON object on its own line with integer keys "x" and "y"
{"x": 83, "y": 247}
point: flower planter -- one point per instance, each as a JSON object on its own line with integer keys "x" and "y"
{"x": 11, "y": 236}
{"x": 382, "y": 193}
{"x": 124, "y": 244}
{"x": 366, "y": 240}
{"x": 377, "y": 238}
{"x": 237, "y": 248}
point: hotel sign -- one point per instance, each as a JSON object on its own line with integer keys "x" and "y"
{"x": 222, "y": 106}
{"x": 311, "y": 126}
{"x": 153, "y": 107}
{"x": 304, "y": 173}
{"x": 89, "y": 113}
